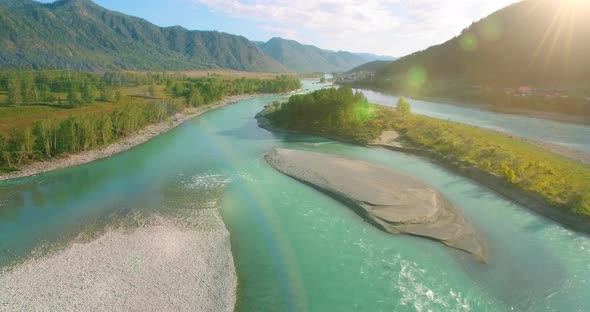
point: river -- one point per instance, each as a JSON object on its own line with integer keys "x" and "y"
{"x": 574, "y": 136}
{"x": 296, "y": 249}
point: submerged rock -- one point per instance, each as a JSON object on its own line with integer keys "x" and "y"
{"x": 394, "y": 202}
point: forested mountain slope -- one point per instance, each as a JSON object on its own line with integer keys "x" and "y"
{"x": 533, "y": 42}
{"x": 79, "y": 34}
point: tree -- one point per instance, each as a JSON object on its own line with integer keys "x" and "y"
{"x": 45, "y": 131}
{"x": 68, "y": 136}
{"x": 510, "y": 175}
{"x": 27, "y": 90}
{"x": 14, "y": 93}
{"x": 3, "y": 149}
{"x": 87, "y": 129}
{"x": 73, "y": 97}
{"x": 7, "y": 158}
{"x": 25, "y": 143}
{"x": 88, "y": 93}
{"x": 194, "y": 97}
{"x": 118, "y": 96}
{"x": 583, "y": 203}
{"x": 105, "y": 129}
{"x": 106, "y": 93}
{"x": 43, "y": 93}
{"x": 177, "y": 89}
{"x": 403, "y": 107}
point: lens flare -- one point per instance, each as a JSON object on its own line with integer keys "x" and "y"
{"x": 559, "y": 32}
{"x": 468, "y": 42}
{"x": 417, "y": 76}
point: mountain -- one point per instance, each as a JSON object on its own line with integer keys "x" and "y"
{"x": 374, "y": 66}
{"x": 529, "y": 43}
{"x": 307, "y": 58}
{"x": 370, "y": 57}
{"x": 79, "y": 34}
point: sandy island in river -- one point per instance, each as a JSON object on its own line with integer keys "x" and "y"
{"x": 394, "y": 202}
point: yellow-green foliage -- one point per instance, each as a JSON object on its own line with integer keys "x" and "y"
{"x": 560, "y": 181}
{"x": 65, "y": 112}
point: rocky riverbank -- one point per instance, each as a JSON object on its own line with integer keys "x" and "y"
{"x": 189, "y": 267}
{"x": 127, "y": 143}
{"x": 395, "y": 203}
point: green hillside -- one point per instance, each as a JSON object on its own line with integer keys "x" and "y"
{"x": 79, "y": 34}
{"x": 534, "y": 42}
{"x": 530, "y": 57}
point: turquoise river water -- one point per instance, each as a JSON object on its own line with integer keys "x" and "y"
{"x": 574, "y": 136}
{"x": 296, "y": 249}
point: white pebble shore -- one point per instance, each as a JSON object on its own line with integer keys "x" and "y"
{"x": 164, "y": 266}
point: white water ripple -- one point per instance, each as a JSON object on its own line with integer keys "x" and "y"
{"x": 206, "y": 182}
{"x": 416, "y": 294}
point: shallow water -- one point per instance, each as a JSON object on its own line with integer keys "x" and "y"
{"x": 296, "y": 249}
{"x": 575, "y": 136}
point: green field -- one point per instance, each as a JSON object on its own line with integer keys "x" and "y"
{"x": 25, "y": 116}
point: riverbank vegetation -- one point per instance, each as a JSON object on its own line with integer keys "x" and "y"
{"x": 561, "y": 182}
{"x": 339, "y": 113}
{"x": 51, "y": 113}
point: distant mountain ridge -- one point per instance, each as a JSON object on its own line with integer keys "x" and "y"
{"x": 370, "y": 57}
{"x": 307, "y": 58}
{"x": 79, "y": 34}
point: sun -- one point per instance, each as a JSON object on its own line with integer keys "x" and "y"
{"x": 577, "y": 3}
{"x": 566, "y": 16}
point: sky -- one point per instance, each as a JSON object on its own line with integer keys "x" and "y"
{"x": 385, "y": 27}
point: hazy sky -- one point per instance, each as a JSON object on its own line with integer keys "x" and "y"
{"x": 391, "y": 27}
